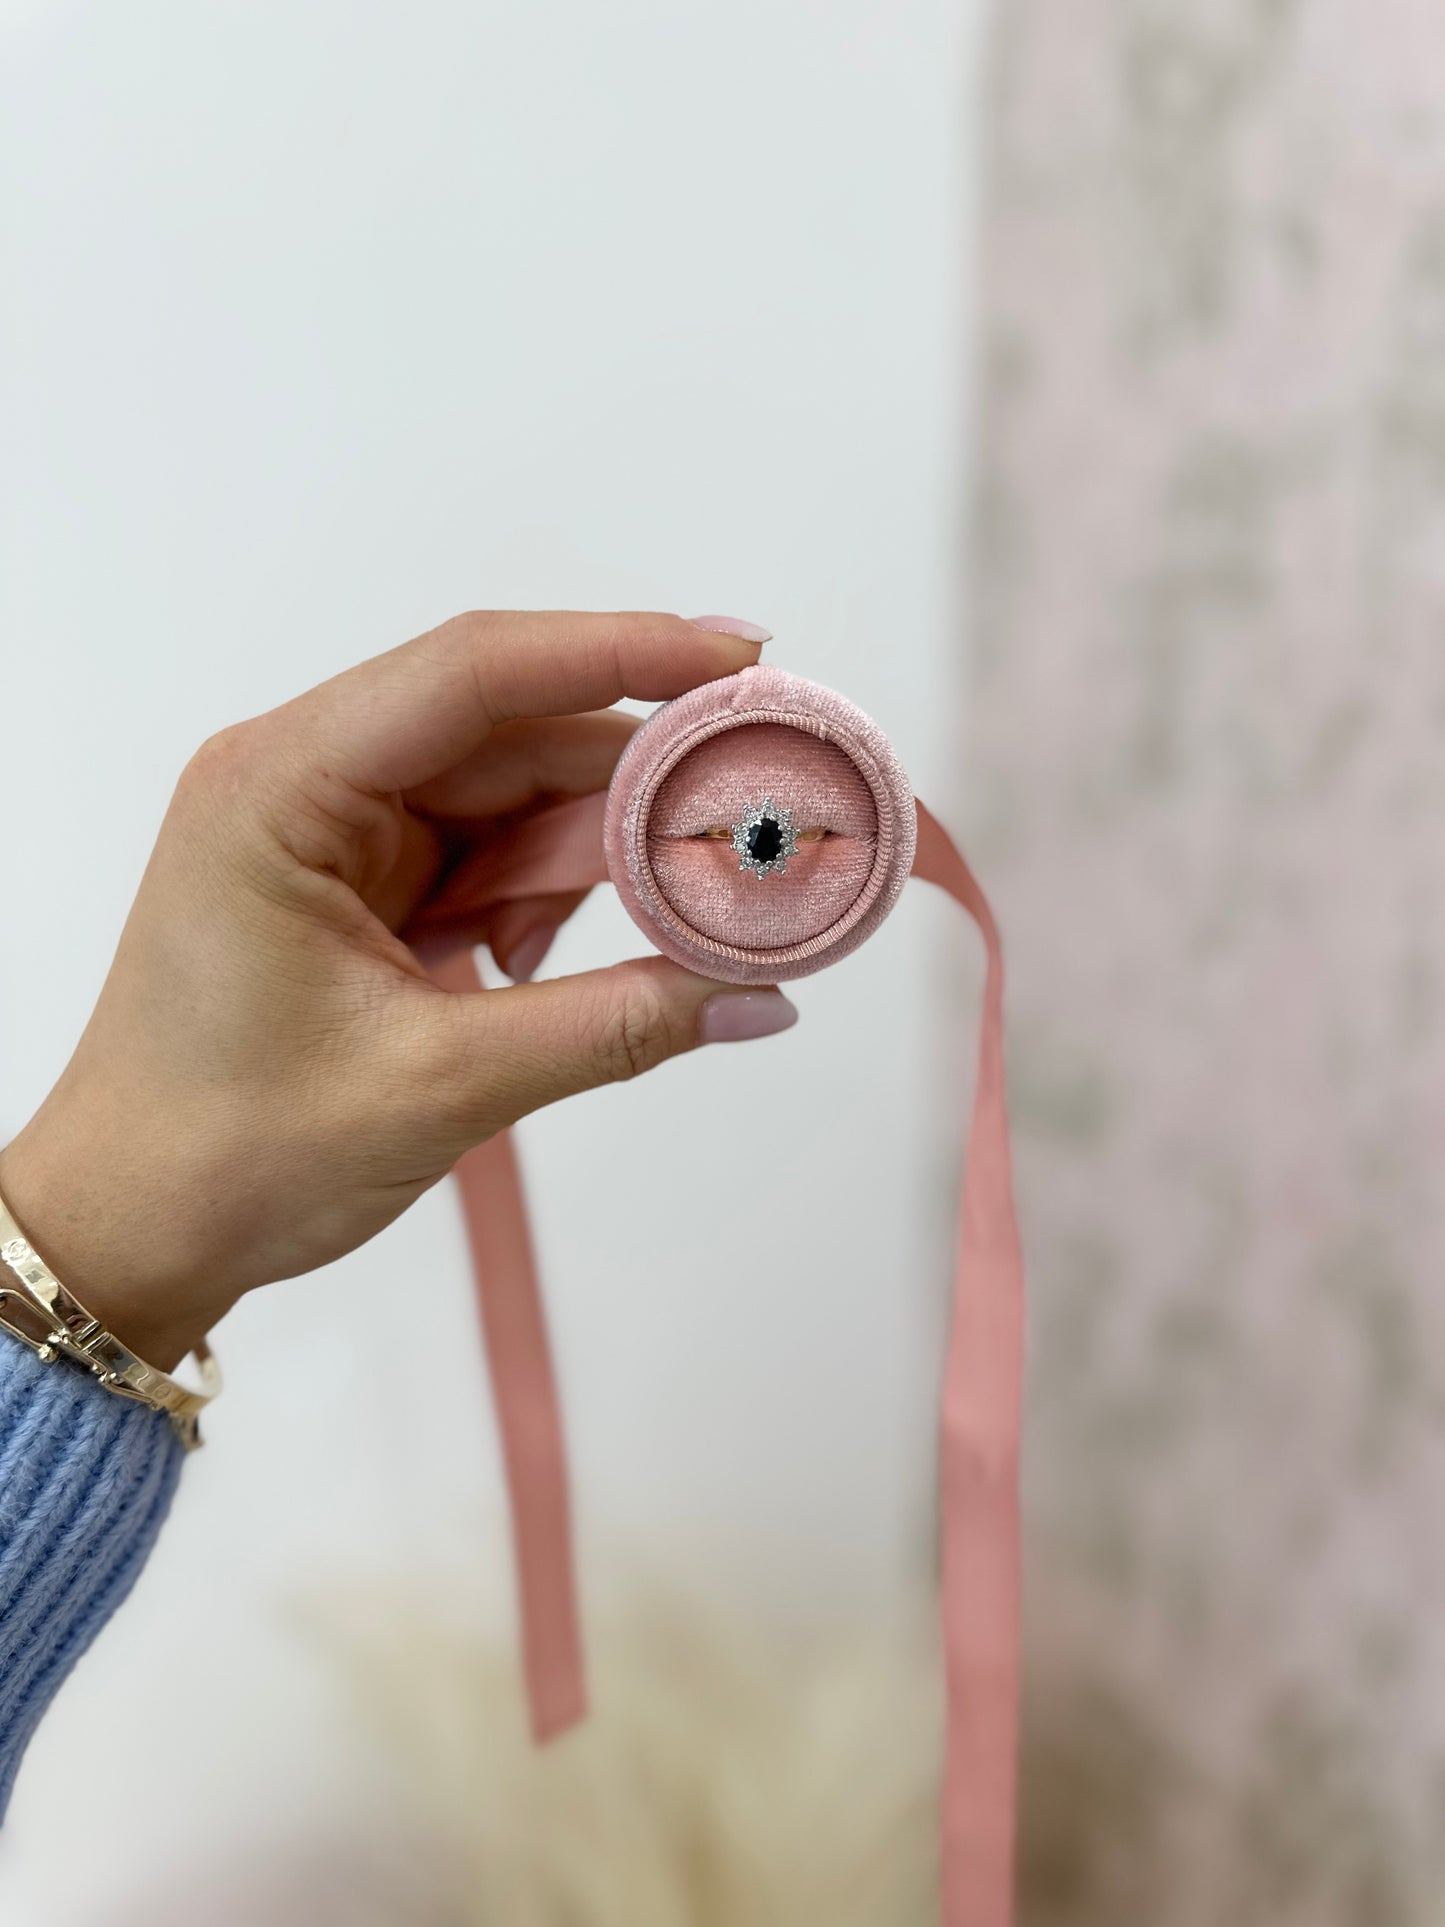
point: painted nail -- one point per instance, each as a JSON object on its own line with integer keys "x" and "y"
{"x": 733, "y": 1016}
{"x": 521, "y": 966}
{"x": 733, "y": 626}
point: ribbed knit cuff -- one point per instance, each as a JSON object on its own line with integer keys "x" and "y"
{"x": 86, "y": 1480}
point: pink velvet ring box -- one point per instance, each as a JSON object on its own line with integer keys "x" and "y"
{"x": 696, "y": 765}
{"x": 762, "y": 737}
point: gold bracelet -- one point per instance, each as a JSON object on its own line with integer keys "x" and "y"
{"x": 67, "y": 1330}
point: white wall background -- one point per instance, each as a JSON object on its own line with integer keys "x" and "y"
{"x": 322, "y": 322}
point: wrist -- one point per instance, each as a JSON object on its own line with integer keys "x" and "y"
{"x": 124, "y": 1272}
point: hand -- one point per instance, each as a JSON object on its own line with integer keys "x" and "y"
{"x": 269, "y": 1077}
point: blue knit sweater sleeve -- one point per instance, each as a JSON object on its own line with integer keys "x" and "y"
{"x": 86, "y": 1480}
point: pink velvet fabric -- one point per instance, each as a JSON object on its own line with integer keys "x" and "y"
{"x": 701, "y": 760}
{"x": 700, "y": 876}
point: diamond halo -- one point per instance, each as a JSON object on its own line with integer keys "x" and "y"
{"x": 764, "y": 839}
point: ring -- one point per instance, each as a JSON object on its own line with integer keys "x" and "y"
{"x": 765, "y": 838}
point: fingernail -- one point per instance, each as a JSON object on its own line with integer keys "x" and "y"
{"x": 733, "y": 626}
{"x": 521, "y": 966}
{"x": 733, "y": 1016}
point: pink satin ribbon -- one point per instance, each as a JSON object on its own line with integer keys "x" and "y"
{"x": 561, "y": 850}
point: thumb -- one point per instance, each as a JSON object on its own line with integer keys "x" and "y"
{"x": 514, "y": 1050}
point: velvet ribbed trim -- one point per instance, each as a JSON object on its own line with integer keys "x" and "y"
{"x": 86, "y": 1480}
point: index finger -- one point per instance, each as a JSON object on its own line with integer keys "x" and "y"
{"x": 404, "y": 717}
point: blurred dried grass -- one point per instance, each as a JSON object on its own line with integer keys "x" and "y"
{"x": 727, "y": 1779}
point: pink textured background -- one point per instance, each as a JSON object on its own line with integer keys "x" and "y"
{"x": 1210, "y": 738}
